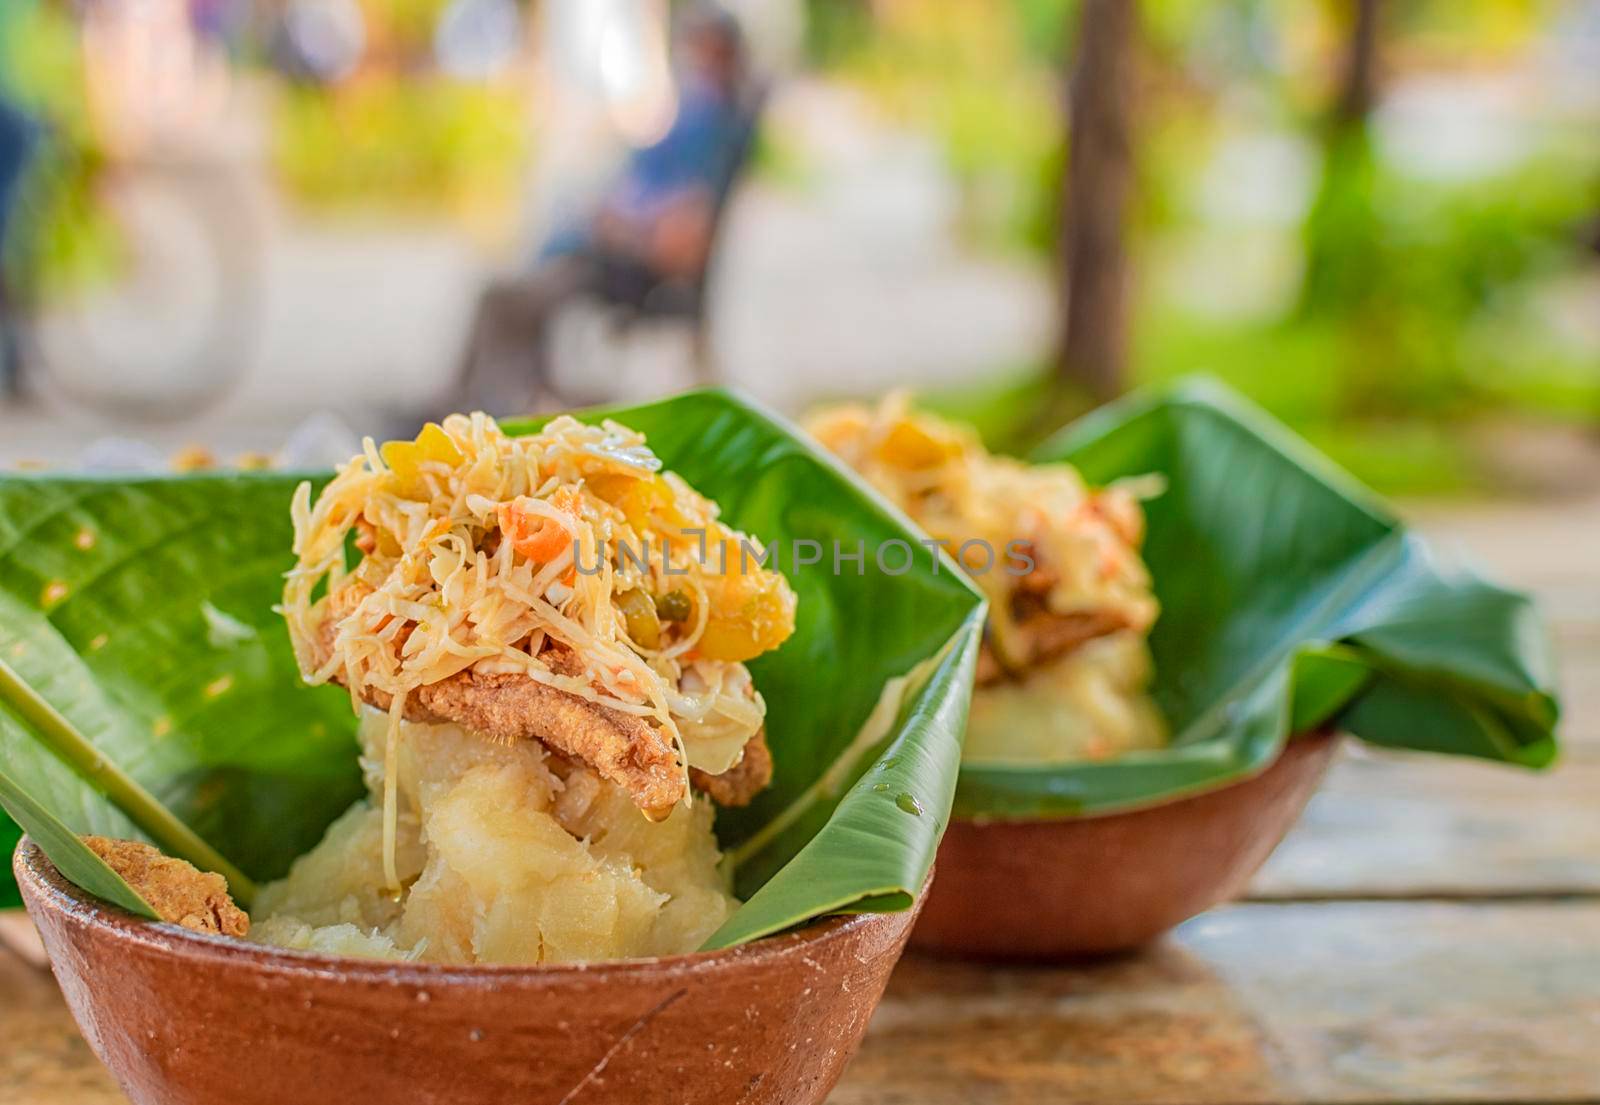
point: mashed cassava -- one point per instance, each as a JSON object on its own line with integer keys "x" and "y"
{"x": 507, "y": 854}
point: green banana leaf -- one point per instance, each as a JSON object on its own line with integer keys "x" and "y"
{"x": 141, "y": 610}
{"x": 10, "y": 835}
{"x": 71, "y": 855}
{"x": 1291, "y": 598}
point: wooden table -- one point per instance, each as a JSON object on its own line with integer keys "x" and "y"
{"x": 1429, "y": 933}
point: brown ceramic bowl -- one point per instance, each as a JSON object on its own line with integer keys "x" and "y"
{"x": 1066, "y": 888}
{"x": 185, "y": 1019}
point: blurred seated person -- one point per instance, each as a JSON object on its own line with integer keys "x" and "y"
{"x": 652, "y": 227}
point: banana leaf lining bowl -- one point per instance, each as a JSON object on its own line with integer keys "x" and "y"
{"x": 186, "y": 1019}
{"x": 1293, "y": 601}
{"x": 147, "y": 690}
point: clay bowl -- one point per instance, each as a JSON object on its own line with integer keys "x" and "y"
{"x": 1069, "y": 888}
{"x": 185, "y": 1019}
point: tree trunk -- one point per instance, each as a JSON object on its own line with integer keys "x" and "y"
{"x": 1093, "y": 351}
{"x": 1359, "y": 87}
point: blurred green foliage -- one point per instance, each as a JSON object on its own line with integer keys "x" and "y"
{"x": 1425, "y": 302}
{"x": 981, "y": 76}
{"x": 419, "y": 143}
{"x": 395, "y": 137}
{"x": 398, "y": 137}
{"x": 65, "y": 240}
{"x": 403, "y": 28}
{"x": 1398, "y": 456}
{"x": 68, "y": 241}
{"x": 1416, "y": 274}
{"x": 988, "y": 79}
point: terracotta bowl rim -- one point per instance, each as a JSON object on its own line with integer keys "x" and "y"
{"x": 1311, "y": 736}
{"x": 84, "y": 910}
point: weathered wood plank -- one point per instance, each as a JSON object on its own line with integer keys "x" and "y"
{"x": 1578, "y": 654}
{"x": 1391, "y": 1002}
{"x": 1413, "y": 826}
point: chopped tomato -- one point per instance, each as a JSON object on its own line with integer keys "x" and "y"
{"x": 536, "y": 535}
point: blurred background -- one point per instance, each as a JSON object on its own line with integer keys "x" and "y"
{"x": 236, "y": 230}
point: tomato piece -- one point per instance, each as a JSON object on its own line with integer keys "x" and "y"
{"x": 535, "y": 535}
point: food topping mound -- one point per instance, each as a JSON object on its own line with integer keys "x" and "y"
{"x": 557, "y": 586}
{"x": 1059, "y": 562}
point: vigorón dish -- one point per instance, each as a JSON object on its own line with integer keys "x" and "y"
{"x": 546, "y": 635}
{"x": 1064, "y": 667}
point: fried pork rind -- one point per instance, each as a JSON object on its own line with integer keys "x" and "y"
{"x": 177, "y": 891}
{"x": 739, "y": 785}
{"x": 1058, "y": 561}
{"x": 621, "y": 747}
{"x": 556, "y": 587}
